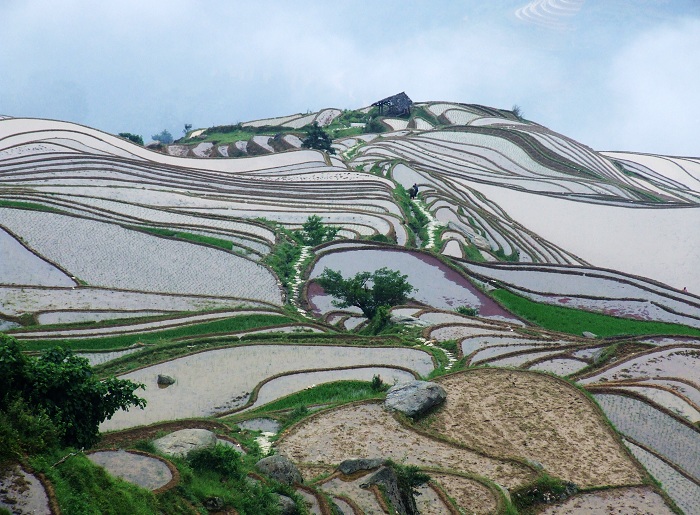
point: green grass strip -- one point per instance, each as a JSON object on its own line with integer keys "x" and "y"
{"x": 327, "y": 393}
{"x": 576, "y": 321}
{"x": 197, "y": 238}
{"x": 28, "y": 205}
{"x": 227, "y": 325}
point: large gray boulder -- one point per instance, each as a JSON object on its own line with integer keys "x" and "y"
{"x": 349, "y": 467}
{"x": 414, "y": 398}
{"x": 286, "y": 505}
{"x": 280, "y": 469}
{"x": 181, "y": 443}
{"x": 402, "y": 501}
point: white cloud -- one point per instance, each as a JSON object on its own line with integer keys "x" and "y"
{"x": 549, "y": 13}
{"x": 654, "y": 89}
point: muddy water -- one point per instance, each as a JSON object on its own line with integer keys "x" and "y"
{"x": 97, "y": 358}
{"x": 221, "y": 380}
{"x": 20, "y": 266}
{"x": 286, "y": 385}
{"x": 437, "y": 284}
{"x": 144, "y": 471}
{"x": 683, "y": 363}
{"x": 22, "y": 493}
{"x": 560, "y": 366}
{"x": 654, "y": 429}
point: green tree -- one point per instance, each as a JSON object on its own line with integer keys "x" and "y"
{"x": 132, "y": 137}
{"x": 365, "y": 290}
{"x": 62, "y": 386}
{"x": 164, "y": 137}
{"x": 313, "y": 232}
{"x": 317, "y": 138}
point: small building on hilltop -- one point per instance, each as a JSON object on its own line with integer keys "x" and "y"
{"x": 397, "y": 105}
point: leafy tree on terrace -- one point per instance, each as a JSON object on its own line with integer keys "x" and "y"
{"x": 317, "y": 138}
{"x": 164, "y": 137}
{"x": 313, "y": 232}
{"x": 62, "y": 387}
{"x": 132, "y": 137}
{"x": 367, "y": 291}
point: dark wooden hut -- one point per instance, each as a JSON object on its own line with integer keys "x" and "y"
{"x": 397, "y": 105}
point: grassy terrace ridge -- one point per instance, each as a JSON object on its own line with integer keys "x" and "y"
{"x": 338, "y": 392}
{"x": 227, "y": 325}
{"x": 29, "y": 205}
{"x": 197, "y": 238}
{"x": 575, "y": 321}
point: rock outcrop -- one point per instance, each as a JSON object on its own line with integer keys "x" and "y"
{"x": 415, "y": 398}
{"x": 181, "y": 443}
{"x": 280, "y": 469}
{"x": 348, "y": 467}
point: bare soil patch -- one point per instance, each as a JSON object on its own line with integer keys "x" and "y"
{"x": 469, "y": 494}
{"x": 536, "y": 417}
{"x": 365, "y": 430}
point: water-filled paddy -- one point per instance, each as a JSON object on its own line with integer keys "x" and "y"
{"x": 437, "y": 284}
{"x": 285, "y": 385}
{"x": 221, "y": 380}
{"x": 20, "y": 266}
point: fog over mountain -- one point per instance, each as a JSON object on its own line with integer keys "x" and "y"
{"x": 616, "y": 75}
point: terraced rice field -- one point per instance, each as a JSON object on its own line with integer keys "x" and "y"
{"x": 533, "y": 417}
{"x": 220, "y": 381}
{"x": 101, "y": 239}
{"x": 362, "y": 430}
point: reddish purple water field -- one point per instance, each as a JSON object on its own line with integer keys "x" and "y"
{"x": 437, "y": 284}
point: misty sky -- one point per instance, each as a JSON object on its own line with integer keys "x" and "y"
{"x": 613, "y": 74}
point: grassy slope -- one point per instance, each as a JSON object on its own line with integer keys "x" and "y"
{"x": 575, "y": 321}
{"x": 228, "y": 325}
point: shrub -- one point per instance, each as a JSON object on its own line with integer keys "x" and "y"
{"x": 388, "y": 288}
{"x": 222, "y": 459}
{"x": 61, "y": 387}
{"x": 544, "y": 490}
{"x": 467, "y": 311}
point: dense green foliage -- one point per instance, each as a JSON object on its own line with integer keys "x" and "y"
{"x": 544, "y": 490}
{"x": 83, "y": 488}
{"x": 313, "y": 232}
{"x": 135, "y": 138}
{"x": 61, "y": 388}
{"x": 575, "y": 321}
{"x": 227, "y": 325}
{"x": 366, "y": 290}
{"x": 415, "y": 218}
{"x": 467, "y": 311}
{"x": 282, "y": 260}
{"x": 318, "y": 139}
{"x": 164, "y": 137}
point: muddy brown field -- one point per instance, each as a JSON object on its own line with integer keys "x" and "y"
{"x": 536, "y": 417}
{"x": 366, "y": 430}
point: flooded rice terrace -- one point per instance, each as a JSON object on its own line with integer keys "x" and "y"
{"x": 221, "y": 380}
{"x": 436, "y": 284}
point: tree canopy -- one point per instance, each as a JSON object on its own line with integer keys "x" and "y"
{"x": 317, "y": 138}
{"x": 62, "y": 387}
{"x": 132, "y": 137}
{"x": 313, "y": 232}
{"x": 366, "y": 290}
{"x": 164, "y": 137}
